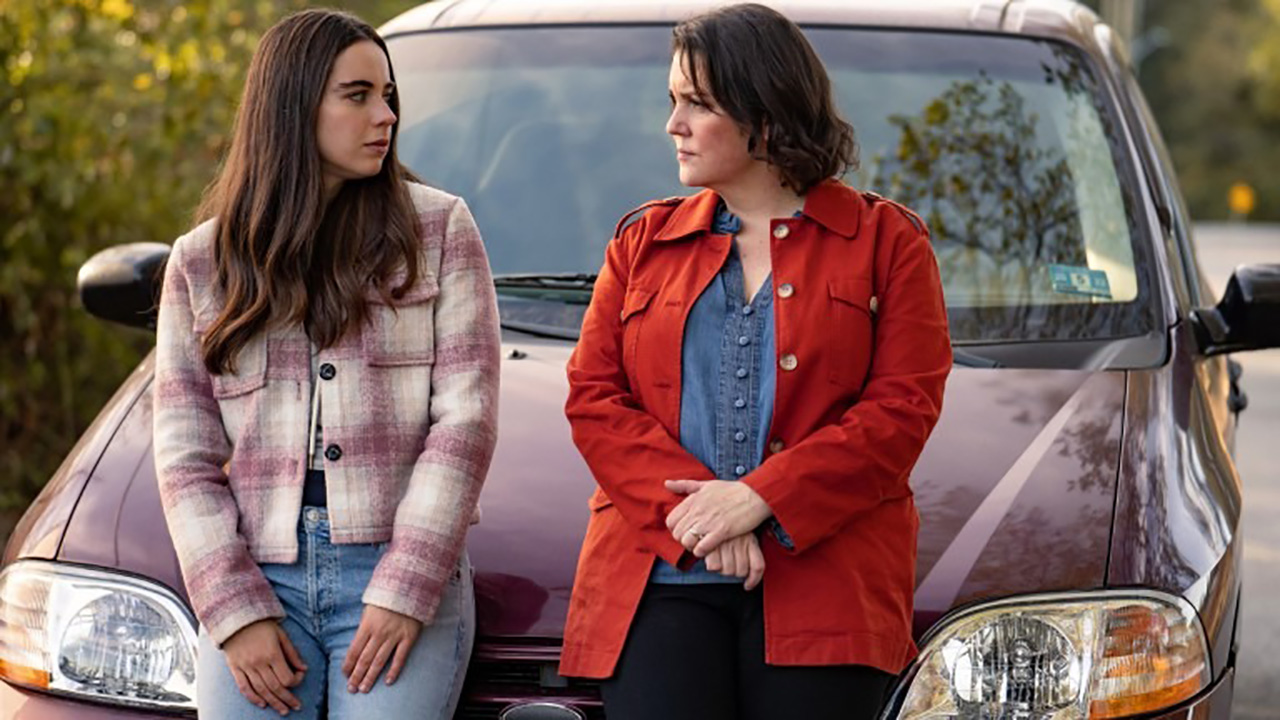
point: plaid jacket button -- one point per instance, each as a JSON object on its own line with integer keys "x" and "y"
{"x": 327, "y": 371}
{"x": 333, "y": 453}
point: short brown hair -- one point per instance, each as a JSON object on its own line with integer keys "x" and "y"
{"x": 763, "y": 73}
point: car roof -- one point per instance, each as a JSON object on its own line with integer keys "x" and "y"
{"x": 1055, "y": 19}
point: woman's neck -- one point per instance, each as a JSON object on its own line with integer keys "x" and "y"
{"x": 760, "y": 197}
{"x": 331, "y": 187}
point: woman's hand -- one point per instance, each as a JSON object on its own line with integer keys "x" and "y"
{"x": 265, "y": 665}
{"x": 713, "y": 512}
{"x": 739, "y": 557}
{"x": 383, "y": 634}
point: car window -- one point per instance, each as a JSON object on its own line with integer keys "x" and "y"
{"x": 1006, "y": 146}
{"x": 1180, "y": 248}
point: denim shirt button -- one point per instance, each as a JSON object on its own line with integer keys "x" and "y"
{"x": 744, "y": 340}
{"x": 740, "y": 436}
{"x": 740, "y": 471}
{"x": 739, "y": 403}
{"x": 742, "y": 372}
{"x": 746, "y": 310}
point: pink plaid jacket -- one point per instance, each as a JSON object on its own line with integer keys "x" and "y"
{"x": 412, "y": 410}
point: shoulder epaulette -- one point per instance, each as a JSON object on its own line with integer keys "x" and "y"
{"x": 907, "y": 212}
{"x": 637, "y": 213}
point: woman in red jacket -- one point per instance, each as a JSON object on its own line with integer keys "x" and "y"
{"x": 758, "y": 371}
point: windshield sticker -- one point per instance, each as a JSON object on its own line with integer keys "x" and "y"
{"x": 1074, "y": 280}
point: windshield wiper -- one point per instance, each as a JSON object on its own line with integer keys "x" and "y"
{"x": 964, "y": 358}
{"x": 585, "y": 281}
{"x": 556, "y": 281}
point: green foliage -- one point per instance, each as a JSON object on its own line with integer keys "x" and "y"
{"x": 1213, "y": 88}
{"x": 113, "y": 118}
{"x": 1264, "y": 62}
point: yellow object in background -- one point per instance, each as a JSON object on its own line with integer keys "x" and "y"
{"x": 1241, "y": 198}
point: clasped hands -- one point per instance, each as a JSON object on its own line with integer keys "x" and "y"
{"x": 717, "y": 521}
{"x": 266, "y": 665}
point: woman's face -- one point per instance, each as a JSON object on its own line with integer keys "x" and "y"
{"x": 354, "y": 125}
{"x": 710, "y": 147}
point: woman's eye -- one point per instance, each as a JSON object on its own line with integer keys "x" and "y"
{"x": 357, "y": 96}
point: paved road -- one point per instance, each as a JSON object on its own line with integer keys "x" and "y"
{"x": 1221, "y": 249}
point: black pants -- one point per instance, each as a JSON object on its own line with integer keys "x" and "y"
{"x": 697, "y": 652}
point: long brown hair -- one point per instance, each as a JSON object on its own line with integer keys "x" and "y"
{"x": 283, "y": 255}
{"x": 762, "y": 71}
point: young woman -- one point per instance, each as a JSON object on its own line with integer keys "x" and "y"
{"x": 757, "y": 373}
{"x": 325, "y": 398}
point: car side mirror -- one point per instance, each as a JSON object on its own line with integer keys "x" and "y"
{"x": 122, "y": 283}
{"x": 1247, "y": 317}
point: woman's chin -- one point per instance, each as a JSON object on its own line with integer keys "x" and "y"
{"x": 363, "y": 170}
{"x": 689, "y": 179}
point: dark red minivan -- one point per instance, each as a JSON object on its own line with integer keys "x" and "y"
{"x": 1080, "y": 547}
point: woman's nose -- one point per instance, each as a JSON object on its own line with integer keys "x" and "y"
{"x": 386, "y": 116}
{"x": 676, "y": 124}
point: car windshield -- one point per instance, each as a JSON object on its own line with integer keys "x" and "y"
{"x": 1007, "y": 146}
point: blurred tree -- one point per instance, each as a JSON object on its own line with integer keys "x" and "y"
{"x": 1264, "y": 63}
{"x": 113, "y": 117}
{"x": 1213, "y": 88}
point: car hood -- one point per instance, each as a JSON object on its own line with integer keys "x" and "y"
{"x": 1015, "y": 491}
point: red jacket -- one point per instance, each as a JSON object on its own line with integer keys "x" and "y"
{"x": 863, "y": 353}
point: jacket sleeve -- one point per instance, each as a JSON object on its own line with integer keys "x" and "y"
{"x": 629, "y": 452}
{"x": 227, "y": 588}
{"x": 823, "y": 482}
{"x": 432, "y": 518}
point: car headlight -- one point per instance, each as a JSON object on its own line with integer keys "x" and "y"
{"x": 1102, "y": 655}
{"x": 96, "y": 635}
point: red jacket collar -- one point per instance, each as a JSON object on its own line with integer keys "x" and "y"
{"x": 830, "y": 203}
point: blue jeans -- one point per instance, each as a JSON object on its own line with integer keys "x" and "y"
{"x": 321, "y": 598}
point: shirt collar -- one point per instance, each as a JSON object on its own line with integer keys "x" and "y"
{"x": 835, "y": 206}
{"x": 830, "y": 203}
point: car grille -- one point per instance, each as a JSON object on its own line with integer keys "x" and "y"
{"x": 501, "y": 675}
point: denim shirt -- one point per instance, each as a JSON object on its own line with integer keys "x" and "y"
{"x": 727, "y": 387}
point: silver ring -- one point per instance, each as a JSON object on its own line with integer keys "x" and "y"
{"x": 694, "y": 532}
